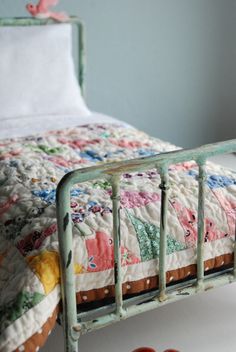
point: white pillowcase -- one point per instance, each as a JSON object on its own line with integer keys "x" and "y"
{"x": 37, "y": 75}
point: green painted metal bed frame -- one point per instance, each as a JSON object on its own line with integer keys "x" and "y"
{"x": 75, "y": 322}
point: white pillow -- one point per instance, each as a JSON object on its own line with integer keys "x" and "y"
{"x": 37, "y": 75}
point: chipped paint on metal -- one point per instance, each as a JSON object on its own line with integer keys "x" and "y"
{"x": 69, "y": 259}
{"x": 66, "y": 221}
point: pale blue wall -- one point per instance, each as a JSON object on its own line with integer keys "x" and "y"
{"x": 166, "y": 66}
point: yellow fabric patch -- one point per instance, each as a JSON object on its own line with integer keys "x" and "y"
{"x": 78, "y": 268}
{"x": 46, "y": 267}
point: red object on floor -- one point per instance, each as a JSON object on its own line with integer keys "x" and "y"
{"x": 149, "y": 349}
{"x": 144, "y": 349}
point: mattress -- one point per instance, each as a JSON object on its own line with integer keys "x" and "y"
{"x": 30, "y": 169}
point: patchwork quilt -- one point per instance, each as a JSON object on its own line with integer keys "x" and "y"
{"x": 30, "y": 169}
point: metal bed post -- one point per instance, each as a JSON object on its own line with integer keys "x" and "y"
{"x": 163, "y": 239}
{"x": 68, "y": 290}
{"x": 201, "y": 223}
{"x": 82, "y": 57}
{"x": 117, "y": 244}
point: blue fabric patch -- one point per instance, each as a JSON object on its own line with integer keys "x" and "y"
{"x": 77, "y": 192}
{"x": 146, "y": 152}
{"x": 90, "y": 155}
{"x": 49, "y": 196}
{"x": 13, "y": 163}
{"x": 215, "y": 181}
{"x": 193, "y": 173}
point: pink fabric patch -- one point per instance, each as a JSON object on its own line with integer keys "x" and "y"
{"x": 183, "y": 166}
{"x": 132, "y": 199}
{"x": 188, "y": 220}
{"x": 101, "y": 253}
{"x": 35, "y": 239}
{"x": 229, "y": 207}
{"x": 79, "y": 143}
{"x": 10, "y": 154}
{"x": 60, "y": 161}
{"x": 7, "y": 205}
{"x": 128, "y": 144}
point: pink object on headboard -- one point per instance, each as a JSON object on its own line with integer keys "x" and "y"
{"x": 42, "y": 10}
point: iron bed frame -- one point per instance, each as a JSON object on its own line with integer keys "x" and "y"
{"x": 75, "y": 322}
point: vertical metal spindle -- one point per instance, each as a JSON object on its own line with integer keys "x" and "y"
{"x": 201, "y": 223}
{"x": 82, "y": 58}
{"x": 66, "y": 266}
{"x": 117, "y": 244}
{"x": 164, "y": 186}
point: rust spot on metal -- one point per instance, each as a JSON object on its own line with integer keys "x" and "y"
{"x": 208, "y": 288}
{"x": 77, "y": 328}
{"x": 69, "y": 259}
{"x": 182, "y": 294}
{"x": 66, "y": 221}
{"x": 121, "y": 169}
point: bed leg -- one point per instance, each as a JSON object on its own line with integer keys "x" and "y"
{"x": 68, "y": 289}
{"x": 71, "y": 345}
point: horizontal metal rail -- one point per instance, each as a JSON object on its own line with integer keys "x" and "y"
{"x": 113, "y": 172}
{"x": 32, "y": 21}
{"x": 159, "y": 160}
{"x": 174, "y": 294}
{"x": 91, "y": 314}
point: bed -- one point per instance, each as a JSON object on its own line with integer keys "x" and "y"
{"x": 102, "y": 216}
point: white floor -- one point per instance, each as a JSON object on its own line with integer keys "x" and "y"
{"x": 203, "y": 323}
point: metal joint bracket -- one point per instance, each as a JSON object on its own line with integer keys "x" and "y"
{"x": 75, "y": 332}
{"x": 164, "y": 186}
{"x": 115, "y": 198}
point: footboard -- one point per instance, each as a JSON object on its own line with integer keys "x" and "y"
{"x": 76, "y": 323}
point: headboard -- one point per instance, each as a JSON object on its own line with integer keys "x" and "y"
{"x": 28, "y": 21}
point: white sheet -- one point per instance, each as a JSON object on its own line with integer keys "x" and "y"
{"x": 19, "y": 127}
